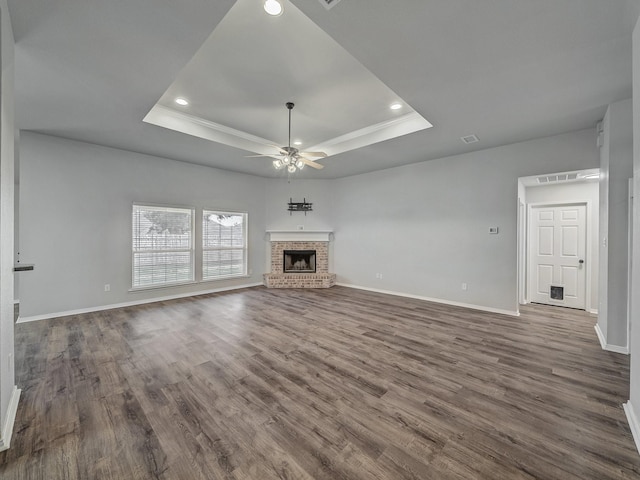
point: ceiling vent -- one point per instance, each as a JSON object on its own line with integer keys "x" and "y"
{"x": 470, "y": 139}
{"x": 329, "y": 4}
{"x": 562, "y": 177}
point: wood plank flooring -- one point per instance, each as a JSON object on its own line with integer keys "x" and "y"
{"x": 318, "y": 384}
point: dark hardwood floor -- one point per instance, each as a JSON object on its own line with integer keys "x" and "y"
{"x": 318, "y": 384}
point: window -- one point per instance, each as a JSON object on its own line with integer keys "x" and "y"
{"x": 162, "y": 246}
{"x": 224, "y": 244}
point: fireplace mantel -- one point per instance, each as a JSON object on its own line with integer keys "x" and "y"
{"x": 299, "y": 235}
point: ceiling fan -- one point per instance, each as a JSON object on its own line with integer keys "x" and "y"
{"x": 290, "y": 157}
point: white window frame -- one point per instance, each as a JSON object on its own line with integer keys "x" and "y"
{"x": 244, "y": 248}
{"x": 190, "y": 250}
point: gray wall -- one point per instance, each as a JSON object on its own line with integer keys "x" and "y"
{"x": 318, "y": 192}
{"x": 603, "y": 305}
{"x": 616, "y": 168}
{"x": 576, "y": 192}
{"x": 75, "y": 209}
{"x": 633, "y": 406}
{"x": 7, "y": 382}
{"x": 425, "y": 227}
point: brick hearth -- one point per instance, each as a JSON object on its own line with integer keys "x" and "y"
{"x": 321, "y": 279}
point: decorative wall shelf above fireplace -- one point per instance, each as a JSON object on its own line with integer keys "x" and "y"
{"x": 299, "y": 235}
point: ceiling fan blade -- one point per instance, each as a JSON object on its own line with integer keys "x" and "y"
{"x": 314, "y": 154}
{"x": 311, "y": 163}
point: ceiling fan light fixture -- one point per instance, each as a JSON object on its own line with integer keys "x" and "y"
{"x": 292, "y": 158}
{"x": 273, "y": 7}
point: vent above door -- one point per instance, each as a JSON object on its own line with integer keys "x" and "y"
{"x": 562, "y": 177}
{"x": 329, "y": 4}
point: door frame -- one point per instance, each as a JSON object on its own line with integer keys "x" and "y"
{"x": 630, "y": 265}
{"x": 588, "y": 246}
{"x": 522, "y": 239}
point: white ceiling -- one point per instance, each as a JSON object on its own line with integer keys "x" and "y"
{"x": 237, "y": 94}
{"x": 505, "y": 70}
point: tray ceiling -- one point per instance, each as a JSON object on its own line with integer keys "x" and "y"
{"x": 505, "y": 71}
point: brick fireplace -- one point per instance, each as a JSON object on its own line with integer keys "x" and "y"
{"x": 306, "y": 241}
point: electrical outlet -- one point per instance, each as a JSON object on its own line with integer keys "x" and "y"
{"x": 107, "y": 287}
{"x": 464, "y": 287}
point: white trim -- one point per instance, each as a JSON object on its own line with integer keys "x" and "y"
{"x": 190, "y": 124}
{"x": 606, "y": 346}
{"x": 617, "y": 349}
{"x": 633, "y": 423}
{"x": 600, "y": 335}
{"x": 299, "y": 235}
{"x": 501, "y": 311}
{"x": 630, "y": 261}
{"x": 521, "y": 249}
{"x": 7, "y": 429}
{"x": 199, "y": 127}
{"x": 80, "y": 311}
{"x": 388, "y": 129}
{"x": 16, "y": 301}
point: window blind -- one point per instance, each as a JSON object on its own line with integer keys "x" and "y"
{"x": 162, "y": 245}
{"x": 224, "y": 244}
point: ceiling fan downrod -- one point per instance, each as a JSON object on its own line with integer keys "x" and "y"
{"x": 290, "y": 106}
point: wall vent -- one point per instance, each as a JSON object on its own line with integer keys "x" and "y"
{"x": 562, "y": 177}
{"x": 329, "y": 4}
{"x": 470, "y": 139}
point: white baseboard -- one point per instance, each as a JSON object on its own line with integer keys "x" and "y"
{"x": 617, "y": 349}
{"x": 100, "y": 308}
{"x": 603, "y": 341}
{"x": 593, "y": 311}
{"x": 633, "y": 423}
{"x": 512, "y": 313}
{"x": 606, "y": 346}
{"x": 7, "y": 428}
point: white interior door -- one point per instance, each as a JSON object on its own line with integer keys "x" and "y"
{"x": 557, "y": 253}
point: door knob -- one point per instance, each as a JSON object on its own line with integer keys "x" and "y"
{"x": 580, "y": 261}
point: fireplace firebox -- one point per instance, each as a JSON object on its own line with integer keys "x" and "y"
{"x": 299, "y": 261}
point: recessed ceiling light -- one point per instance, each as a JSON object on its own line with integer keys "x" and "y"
{"x": 395, "y": 106}
{"x": 182, "y": 101}
{"x": 273, "y": 7}
{"x": 297, "y": 142}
